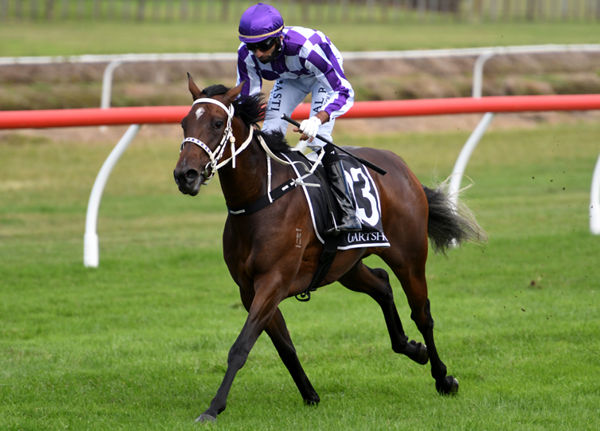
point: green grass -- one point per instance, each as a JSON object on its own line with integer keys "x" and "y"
{"x": 142, "y": 341}
{"x": 89, "y": 37}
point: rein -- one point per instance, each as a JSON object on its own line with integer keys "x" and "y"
{"x": 214, "y": 165}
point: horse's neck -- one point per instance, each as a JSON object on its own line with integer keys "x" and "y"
{"x": 248, "y": 180}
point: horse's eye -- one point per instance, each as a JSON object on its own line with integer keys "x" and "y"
{"x": 218, "y": 124}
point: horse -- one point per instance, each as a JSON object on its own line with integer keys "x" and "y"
{"x": 268, "y": 261}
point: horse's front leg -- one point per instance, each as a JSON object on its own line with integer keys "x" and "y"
{"x": 280, "y": 336}
{"x": 263, "y": 307}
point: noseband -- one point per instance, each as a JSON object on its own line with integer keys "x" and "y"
{"x": 213, "y": 165}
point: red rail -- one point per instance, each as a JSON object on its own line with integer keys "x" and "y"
{"x": 389, "y": 108}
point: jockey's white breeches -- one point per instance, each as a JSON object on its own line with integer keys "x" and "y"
{"x": 286, "y": 95}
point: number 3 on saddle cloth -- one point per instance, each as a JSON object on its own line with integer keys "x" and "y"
{"x": 364, "y": 192}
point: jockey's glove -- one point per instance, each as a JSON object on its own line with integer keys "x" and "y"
{"x": 310, "y": 127}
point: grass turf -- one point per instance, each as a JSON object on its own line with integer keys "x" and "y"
{"x": 89, "y": 37}
{"x": 141, "y": 342}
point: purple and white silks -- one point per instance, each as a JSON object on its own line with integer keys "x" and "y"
{"x": 309, "y": 63}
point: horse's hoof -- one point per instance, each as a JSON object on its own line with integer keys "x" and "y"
{"x": 205, "y": 417}
{"x": 448, "y": 386}
{"x": 312, "y": 401}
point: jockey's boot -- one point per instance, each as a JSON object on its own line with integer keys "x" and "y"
{"x": 348, "y": 222}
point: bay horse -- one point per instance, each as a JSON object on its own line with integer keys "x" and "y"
{"x": 269, "y": 262}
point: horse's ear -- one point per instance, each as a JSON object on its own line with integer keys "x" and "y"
{"x": 232, "y": 94}
{"x": 196, "y": 92}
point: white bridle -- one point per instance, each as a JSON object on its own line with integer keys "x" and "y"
{"x": 213, "y": 166}
{"x": 216, "y": 155}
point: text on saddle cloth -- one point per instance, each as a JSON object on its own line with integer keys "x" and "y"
{"x": 366, "y": 199}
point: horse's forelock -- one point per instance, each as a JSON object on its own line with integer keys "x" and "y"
{"x": 215, "y": 90}
{"x": 250, "y": 109}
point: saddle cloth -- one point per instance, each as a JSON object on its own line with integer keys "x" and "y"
{"x": 364, "y": 192}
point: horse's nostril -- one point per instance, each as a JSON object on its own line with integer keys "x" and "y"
{"x": 191, "y": 175}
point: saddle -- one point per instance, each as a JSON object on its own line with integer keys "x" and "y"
{"x": 322, "y": 209}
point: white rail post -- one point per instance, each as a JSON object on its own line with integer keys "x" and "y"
{"x": 595, "y": 200}
{"x": 107, "y": 79}
{"x": 478, "y": 72}
{"x": 91, "y": 254}
{"x": 465, "y": 153}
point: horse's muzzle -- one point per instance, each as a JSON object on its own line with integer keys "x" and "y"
{"x": 188, "y": 180}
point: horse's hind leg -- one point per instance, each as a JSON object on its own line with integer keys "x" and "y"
{"x": 280, "y": 336}
{"x": 375, "y": 283}
{"x": 415, "y": 286}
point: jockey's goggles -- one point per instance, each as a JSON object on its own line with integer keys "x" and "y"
{"x": 263, "y": 45}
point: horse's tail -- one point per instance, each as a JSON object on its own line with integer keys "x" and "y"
{"x": 450, "y": 223}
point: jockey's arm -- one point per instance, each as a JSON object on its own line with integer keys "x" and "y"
{"x": 323, "y": 116}
{"x": 247, "y": 73}
{"x": 310, "y": 132}
{"x": 341, "y": 97}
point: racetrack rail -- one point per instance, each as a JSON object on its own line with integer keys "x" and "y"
{"x": 369, "y": 109}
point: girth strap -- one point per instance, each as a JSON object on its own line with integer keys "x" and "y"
{"x": 325, "y": 260}
{"x": 265, "y": 200}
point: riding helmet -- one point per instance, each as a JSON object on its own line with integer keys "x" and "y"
{"x": 260, "y": 22}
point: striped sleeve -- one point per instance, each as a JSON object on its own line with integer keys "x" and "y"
{"x": 323, "y": 62}
{"x": 247, "y": 72}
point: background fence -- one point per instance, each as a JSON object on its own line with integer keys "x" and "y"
{"x": 303, "y": 10}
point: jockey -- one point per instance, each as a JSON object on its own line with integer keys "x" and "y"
{"x": 301, "y": 61}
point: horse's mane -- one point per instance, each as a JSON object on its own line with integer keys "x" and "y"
{"x": 275, "y": 140}
{"x": 251, "y": 110}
